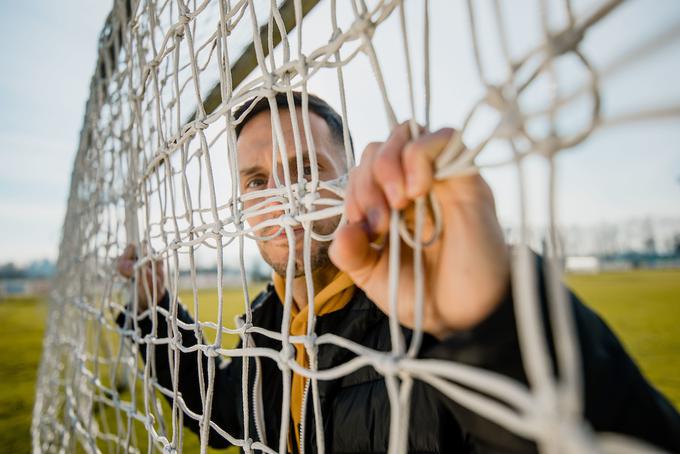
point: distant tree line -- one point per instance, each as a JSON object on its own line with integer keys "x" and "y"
{"x": 256, "y": 272}
{"x": 35, "y": 270}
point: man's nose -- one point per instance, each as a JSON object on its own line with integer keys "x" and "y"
{"x": 279, "y": 173}
{"x": 271, "y": 182}
{"x": 274, "y": 200}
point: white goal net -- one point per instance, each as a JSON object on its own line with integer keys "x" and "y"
{"x": 157, "y": 168}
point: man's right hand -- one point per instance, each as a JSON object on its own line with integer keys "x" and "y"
{"x": 466, "y": 269}
{"x": 148, "y": 277}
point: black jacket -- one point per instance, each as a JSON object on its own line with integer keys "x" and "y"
{"x": 356, "y": 407}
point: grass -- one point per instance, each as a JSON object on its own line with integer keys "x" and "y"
{"x": 208, "y": 309}
{"x": 20, "y": 346}
{"x": 643, "y": 307}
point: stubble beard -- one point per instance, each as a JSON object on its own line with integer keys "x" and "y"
{"x": 318, "y": 257}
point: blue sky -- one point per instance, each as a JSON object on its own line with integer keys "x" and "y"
{"x": 49, "y": 52}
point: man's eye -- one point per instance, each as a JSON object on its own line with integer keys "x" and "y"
{"x": 307, "y": 171}
{"x": 255, "y": 183}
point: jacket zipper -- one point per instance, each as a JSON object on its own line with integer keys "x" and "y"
{"x": 302, "y": 415}
{"x": 257, "y": 387}
{"x": 257, "y": 391}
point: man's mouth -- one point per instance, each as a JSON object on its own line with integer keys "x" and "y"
{"x": 298, "y": 232}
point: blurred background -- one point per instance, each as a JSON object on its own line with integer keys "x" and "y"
{"x": 618, "y": 199}
{"x": 49, "y": 49}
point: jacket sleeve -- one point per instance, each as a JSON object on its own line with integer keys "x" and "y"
{"x": 227, "y": 400}
{"x": 617, "y": 397}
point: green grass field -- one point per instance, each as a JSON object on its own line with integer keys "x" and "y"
{"x": 23, "y": 323}
{"x": 643, "y": 307}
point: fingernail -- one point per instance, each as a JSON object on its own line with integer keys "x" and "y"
{"x": 394, "y": 193}
{"x": 374, "y": 218}
{"x": 365, "y": 226}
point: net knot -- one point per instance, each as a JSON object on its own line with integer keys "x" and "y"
{"x": 179, "y": 32}
{"x": 549, "y": 146}
{"x": 134, "y": 25}
{"x": 169, "y": 449}
{"x": 511, "y": 116}
{"x": 211, "y": 351}
{"x": 200, "y": 125}
{"x": 176, "y": 339}
{"x": 494, "y": 98}
{"x": 387, "y": 365}
{"x": 182, "y": 21}
{"x": 136, "y": 97}
{"x": 308, "y": 200}
{"x": 302, "y": 66}
{"x": 153, "y": 65}
{"x": 217, "y": 228}
{"x": 288, "y": 220}
{"x": 247, "y": 445}
{"x": 564, "y": 42}
{"x": 335, "y": 35}
{"x": 286, "y": 354}
{"x": 310, "y": 343}
{"x": 268, "y": 83}
{"x": 363, "y": 26}
{"x": 246, "y": 327}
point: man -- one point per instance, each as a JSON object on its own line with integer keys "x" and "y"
{"x": 468, "y": 315}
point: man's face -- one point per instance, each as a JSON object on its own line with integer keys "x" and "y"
{"x": 256, "y": 174}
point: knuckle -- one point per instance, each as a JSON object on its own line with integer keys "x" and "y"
{"x": 358, "y": 177}
{"x": 370, "y": 150}
{"x": 447, "y": 131}
{"x": 403, "y": 128}
{"x": 412, "y": 150}
{"x": 371, "y": 195}
{"x": 384, "y": 167}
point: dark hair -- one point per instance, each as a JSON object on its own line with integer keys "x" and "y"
{"x": 315, "y": 105}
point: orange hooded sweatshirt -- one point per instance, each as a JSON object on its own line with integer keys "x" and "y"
{"x": 331, "y": 298}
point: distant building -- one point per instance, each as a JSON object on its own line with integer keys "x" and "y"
{"x": 24, "y": 287}
{"x": 583, "y": 264}
{"x": 635, "y": 259}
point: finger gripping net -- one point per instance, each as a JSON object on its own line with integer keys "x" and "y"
{"x": 157, "y": 166}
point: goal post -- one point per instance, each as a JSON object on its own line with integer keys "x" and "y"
{"x": 247, "y": 61}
